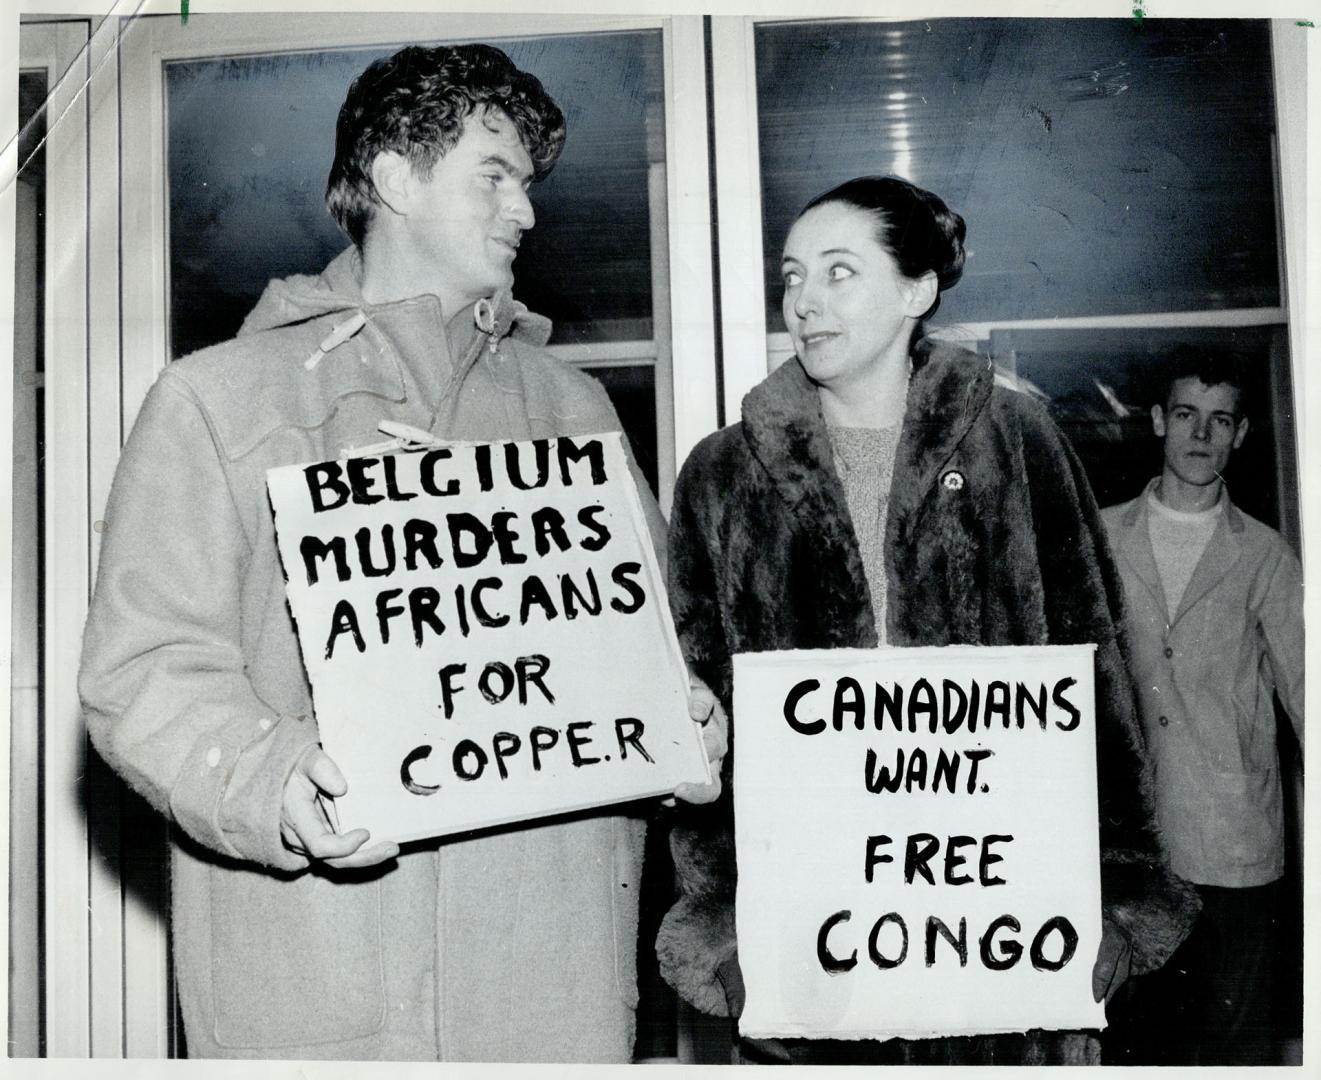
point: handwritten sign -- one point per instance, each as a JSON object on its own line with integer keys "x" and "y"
{"x": 917, "y": 840}
{"x": 485, "y": 632}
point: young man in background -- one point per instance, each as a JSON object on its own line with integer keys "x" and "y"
{"x": 1214, "y": 603}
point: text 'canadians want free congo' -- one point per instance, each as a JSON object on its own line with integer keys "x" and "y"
{"x": 992, "y": 708}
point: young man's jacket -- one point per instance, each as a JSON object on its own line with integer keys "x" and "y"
{"x": 1207, "y": 677}
{"x": 992, "y": 538}
{"x": 519, "y": 944}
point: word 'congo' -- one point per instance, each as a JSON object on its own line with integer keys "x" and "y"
{"x": 997, "y": 947}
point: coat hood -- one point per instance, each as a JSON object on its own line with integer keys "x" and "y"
{"x": 338, "y": 289}
{"x": 300, "y": 297}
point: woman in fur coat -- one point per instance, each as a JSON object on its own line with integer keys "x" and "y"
{"x": 880, "y": 491}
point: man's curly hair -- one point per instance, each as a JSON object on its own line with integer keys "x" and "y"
{"x": 415, "y": 103}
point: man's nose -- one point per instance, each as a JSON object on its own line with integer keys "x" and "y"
{"x": 519, "y": 209}
{"x": 1202, "y": 429}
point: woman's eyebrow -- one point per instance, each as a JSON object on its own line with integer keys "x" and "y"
{"x": 828, "y": 251}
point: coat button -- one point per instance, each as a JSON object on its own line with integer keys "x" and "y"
{"x": 1168, "y": 652}
{"x": 1164, "y": 721}
{"x": 213, "y": 756}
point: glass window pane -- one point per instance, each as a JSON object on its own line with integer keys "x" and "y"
{"x": 632, "y": 391}
{"x": 1103, "y": 166}
{"x": 28, "y": 630}
{"x": 250, "y": 141}
{"x": 1099, "y": 386}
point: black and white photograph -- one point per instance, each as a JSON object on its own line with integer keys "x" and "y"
{"x": 646, "y": 535}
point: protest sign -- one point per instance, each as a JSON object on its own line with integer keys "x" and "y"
{"x": 485, "y": 632}
{"x": 917, "y": 840}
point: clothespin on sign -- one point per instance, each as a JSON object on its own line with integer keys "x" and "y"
{"x": 406, "y": 437}
{"x": 410, "y": 438}
{"x": 337, "y": 336}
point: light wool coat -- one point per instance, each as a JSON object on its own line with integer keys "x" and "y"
{"x": 518, "y": 944}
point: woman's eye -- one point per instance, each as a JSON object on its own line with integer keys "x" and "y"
{"x": 839, "y": 272}
{"x": 792, "y": 278}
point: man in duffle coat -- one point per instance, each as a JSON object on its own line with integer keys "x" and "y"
{"x": 291, "y": 940}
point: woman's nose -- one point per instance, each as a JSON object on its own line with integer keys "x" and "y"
{"x": 807, "y": 301}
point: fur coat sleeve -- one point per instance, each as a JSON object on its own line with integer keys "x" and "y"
{"x": 1084, "y": 603}
{"x": 1012, "y": 552}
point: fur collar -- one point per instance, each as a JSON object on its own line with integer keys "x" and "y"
{"x": 786, "y": 432}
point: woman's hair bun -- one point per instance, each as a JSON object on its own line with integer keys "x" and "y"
{"x": 913, "y": 224}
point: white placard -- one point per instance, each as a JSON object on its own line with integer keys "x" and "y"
{"x": 486, "y": 633}
{"x": 895, "y": 809}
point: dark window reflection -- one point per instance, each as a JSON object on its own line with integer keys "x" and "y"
{"x": 250, "y": 141}
{"x": 633, "y": 391}
{"x": 1099, "y": 386}
{"x": 1103, "y": 166}
{"x": 27, "y": 656}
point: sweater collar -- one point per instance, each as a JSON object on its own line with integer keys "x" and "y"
{"x": 1217, "y": 560}
{"x": 1137, "y": 508}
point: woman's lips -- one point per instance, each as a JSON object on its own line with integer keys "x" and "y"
{"x": 817, "y": 337}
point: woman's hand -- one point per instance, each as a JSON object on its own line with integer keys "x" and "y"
{"x": 705, "y": 709}
{"x": 1114, "y": 961}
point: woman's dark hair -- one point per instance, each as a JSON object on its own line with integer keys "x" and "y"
{"x": 415, "y": 103}
{"x": 912, "y": 224}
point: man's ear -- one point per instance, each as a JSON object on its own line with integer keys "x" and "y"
{"x": 392, "y": 176}
{"x": 922, "y": 292}
{"x": 1158, "y": 421}
{"x": 1240, "y": 432}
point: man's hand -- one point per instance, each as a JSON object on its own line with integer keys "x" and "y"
{"x": 705, "y": 709}
{"x": 1114, "y": 962}
{"x": 305, "y": 827}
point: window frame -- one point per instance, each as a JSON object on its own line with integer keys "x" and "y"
{"x": 750, "y": 352}
{"x": 67, "y": 880}
{"x": 106, "y": 971}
